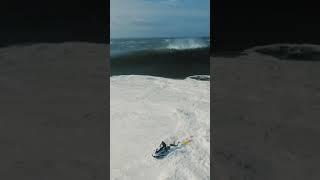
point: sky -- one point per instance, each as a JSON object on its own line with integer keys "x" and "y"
{"x": 159, "y": 18}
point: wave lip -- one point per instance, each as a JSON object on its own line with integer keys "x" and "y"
{"x": 187, "y": 43}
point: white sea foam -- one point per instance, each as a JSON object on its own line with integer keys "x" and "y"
{"x": 146, "y": 110}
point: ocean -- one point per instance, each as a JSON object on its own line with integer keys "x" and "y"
{"x": 175, "y": 58}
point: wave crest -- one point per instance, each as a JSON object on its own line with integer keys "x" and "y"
{"x": 190, "y": 43}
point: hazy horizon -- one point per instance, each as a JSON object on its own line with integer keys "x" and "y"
{"x": 159, "y": 18}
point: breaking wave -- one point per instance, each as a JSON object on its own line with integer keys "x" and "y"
{"x": 188, "y": 43}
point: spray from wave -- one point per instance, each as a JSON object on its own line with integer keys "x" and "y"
{"x": 190, "y": 43}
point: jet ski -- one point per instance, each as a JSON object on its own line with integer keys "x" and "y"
{"x": 164, "y": 150}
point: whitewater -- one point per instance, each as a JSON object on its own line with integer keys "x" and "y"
{"x": 146, "y": 110}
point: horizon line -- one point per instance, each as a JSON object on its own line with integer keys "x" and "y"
{"x": 149, "y": 37}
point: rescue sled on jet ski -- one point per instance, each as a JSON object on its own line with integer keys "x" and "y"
{"x": 163, "y": 150}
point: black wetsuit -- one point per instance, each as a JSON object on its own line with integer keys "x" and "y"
{"x": 163, "y": 144}
{"x": 165, "y": 147}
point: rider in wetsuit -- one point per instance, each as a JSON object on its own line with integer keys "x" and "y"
{"x": 164, "y": 146}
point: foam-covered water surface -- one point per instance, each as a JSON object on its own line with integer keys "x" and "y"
{"x": 146, "y": 110}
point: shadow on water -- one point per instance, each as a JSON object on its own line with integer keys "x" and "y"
{"x": 177, "y": 64}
